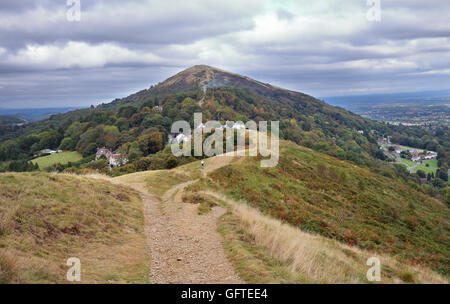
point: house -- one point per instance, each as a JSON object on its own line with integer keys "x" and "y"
{"x": 116, "y": 160}
{"x": 398, "y": 150}
{"x": 416, "y": 158}
{"x": 429, "y": 155}
{"x": 103, "y": 151}
{"x": 389, "y": 155}
{"x": 158, "y": 109}
{"x": 48, "y": 151}
{"x": 113, "y": 159}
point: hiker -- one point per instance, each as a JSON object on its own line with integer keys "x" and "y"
{"x": 203, "y": 164}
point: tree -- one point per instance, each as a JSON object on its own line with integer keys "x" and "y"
{"x": 442, "y": 174}
{"x": 421, "y": 173}
{"x": 123, "y": 124}
{"x": 68, "y": 144}
{"x": 90, "y": 140}
{"x": 126, "y": 111}
{"x": 100, "y": 165}
{"x": 49, "y": 139}
{"x": 151, "y": 143}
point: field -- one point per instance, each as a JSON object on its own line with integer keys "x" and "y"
{"x": 57, "y": 158}
{"x": 408, "y": 162}
{"x": 406, "y": 148}
{"x": 431, "y": 169}
{"x": 47, "y": 218}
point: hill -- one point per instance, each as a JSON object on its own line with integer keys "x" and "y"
{"x": 139, "y": 126}
{"x": 265, "y": 247}
{"x": 218, "y": 95}
{"x": 47, "y": 218}
{"x": 323, "y": 195}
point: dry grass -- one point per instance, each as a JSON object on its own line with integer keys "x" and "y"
{"x": 47, "y": 218}
{"x": 9, "y": 271}
{"x": 337, "y": 200}
{"x": 308, "y": 258}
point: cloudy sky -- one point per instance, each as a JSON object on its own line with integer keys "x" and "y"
{"x": 321, "y": 47}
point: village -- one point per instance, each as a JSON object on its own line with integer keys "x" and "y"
{"x": 413, "y": 159}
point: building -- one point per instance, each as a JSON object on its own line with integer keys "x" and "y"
{"x": 48, "y": 151}
{"x": 113, "y": 159}
{"x": 429, "y": 156}
{"x": 103, "y": 152}
{"x": 398, "y": 149}
{"x": 116, "y": 160}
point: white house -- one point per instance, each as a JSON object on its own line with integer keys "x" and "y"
{"x": 48, "y": 151}
{"x": 430, "y": 155}
{"x": 415, "y": 158}
{"x": 116, "y": 160}
{"x": 113, "y": 159}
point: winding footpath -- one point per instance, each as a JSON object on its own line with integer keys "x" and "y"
{"x": 184, "y": 247}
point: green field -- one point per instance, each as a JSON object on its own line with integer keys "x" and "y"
{"x": 408, "y": 162}
{"x": 57, "y": 158}
{"x": 431, "y": 169}
{"x": 406, "y": 148}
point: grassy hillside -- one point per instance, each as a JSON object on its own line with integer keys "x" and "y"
{"x": 338, "y": 200}
{"x": 264, "y": 249}
{"x": 57, "y": 158}
{"x": 47, "y": 218}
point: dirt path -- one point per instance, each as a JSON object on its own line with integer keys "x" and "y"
{"x": 185, "y": 247}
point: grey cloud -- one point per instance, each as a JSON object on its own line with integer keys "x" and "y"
{"x": 322, "y": 48}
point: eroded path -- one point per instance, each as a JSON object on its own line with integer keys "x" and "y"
{"x": 185, "y": 247}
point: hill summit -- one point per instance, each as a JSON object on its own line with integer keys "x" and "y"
{"x": 202, "y": 77}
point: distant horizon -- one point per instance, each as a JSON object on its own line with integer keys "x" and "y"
{"x": 317, "y": 97}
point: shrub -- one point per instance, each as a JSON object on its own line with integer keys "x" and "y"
{"x": 406, "y": 276}
{"x": 171, "y": 162}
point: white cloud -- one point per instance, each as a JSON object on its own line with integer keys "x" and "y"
{"x": 79, "y": 54}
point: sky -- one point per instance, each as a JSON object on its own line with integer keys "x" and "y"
{"x": 49, "y": 58}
